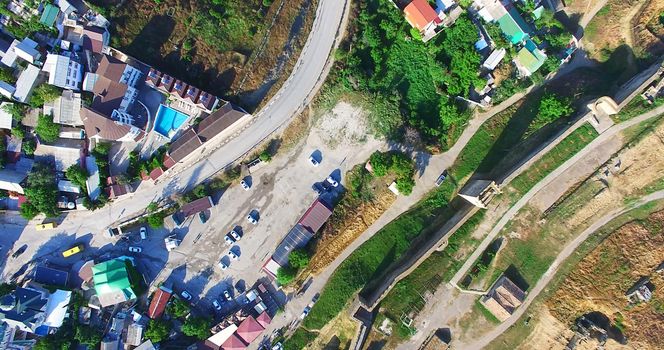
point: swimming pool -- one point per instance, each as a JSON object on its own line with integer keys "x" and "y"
{"x": 168, "y": 121}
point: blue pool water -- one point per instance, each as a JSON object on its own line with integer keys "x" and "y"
{"x": 168, "y": 121}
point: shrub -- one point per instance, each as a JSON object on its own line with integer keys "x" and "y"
{"x": 29, "y": 146}
{"x": 156, "y": 220}
{"x": 152, "y": 207}
{"x": 41, "y": 193}
{"x": 298, "y": 258}
{"x": 265, "y": 156}
{"x": 158, "y": 330}
{"x": 198, "y": 327}
{"x": 286, "y": 275}
{"x": 177, "y": 308}
{"x": 44, "y": 93}
{"x": 47, "y": 129}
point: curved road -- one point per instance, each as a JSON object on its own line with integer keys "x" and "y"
{"x": 298, "y": 90}
{"x": 551, "y": 272}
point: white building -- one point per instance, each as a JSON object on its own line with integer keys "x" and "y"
{"x": 26, "y": 83}
{"x": 25, "y": 49}
{"x": 63, "y": 72}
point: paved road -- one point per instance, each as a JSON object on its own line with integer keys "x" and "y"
{"x": 309, "y": 73}
{"x": 551, "y": 272}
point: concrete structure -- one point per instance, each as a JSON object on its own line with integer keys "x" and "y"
{"x": 63, "y": 153}
{"x": 503, "y": 298}
{"x": 25, "y": 49}
{"x": 66, "y": 109}
{"x": 479, "y": 192}
{"x": 7, "y": 90}
{"x": 641, "y": 291}
{"x": 24, "y": 308}
{"x": 494, "y": 59}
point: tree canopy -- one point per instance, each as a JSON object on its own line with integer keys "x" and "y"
{"x": 47, "y": 129}
{"x": 178, "y": 308}
{"x": 41, "y": 192}
{"x": 286, "y": 275}
{"x": 198, "y": 327}
{"x": 158, "y": 330}
{"x": 298, "y": 258}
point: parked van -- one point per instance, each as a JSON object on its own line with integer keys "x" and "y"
{"x": 46, "y": 226}
{"x": 73, "y": 250}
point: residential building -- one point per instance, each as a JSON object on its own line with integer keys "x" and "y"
{"x": 529, "y": 58}
{"x": 220, "y": 123}
{"x": 49, "y": 15}
{"x": 188, "y": 98}
{"x": 111, "y": 341}
{"x": 7, "y": 90}
{"x": 62, "y": 153}
{"x": 24, "y": 308}
{"x": 197, "y": 206}
{"x": 111, "y": 282}
{"x": 494, "y": 59}
{"x": 63, "y": 71}
{"x": 66, "y": 109}
{"x": 66, "y": 7}
{"x": 159, "y": 301}
{"x": 26, "y": 82}
{"x": 95, "y": 39}
{"x": 422, "y": 17}
{"x": 147, "y": 345}
{"x": 56, "y": 309}
{"x": 93, "y": 183}
{"x": 503, "y": 298}
{"x": 99, "y": 127}
{"x": 6, "y": 119}
{"x": 9, "y": 341}
{"x": 134, "y": 334}
{"x": 68, "y": 187}
{"x": 13, "y": 175}
{"x": 25, "y": 49}
{"x": 249, "y": 329}
{"x": 50, "y": 276}
{"x": 115, "y": 188}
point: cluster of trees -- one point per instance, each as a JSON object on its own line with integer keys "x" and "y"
{"x": 41, "y": 192}
{"x": 552, "y": 108}
{"x": 397, "y": 164}
{"x": 71, "y": 332}
{"x": 198, "y": 327}
{"x": 297, "y": 259}
{"x": 418, "y": 78}
{"x": 22, "y": 27}
{"x": 44, "y": 93}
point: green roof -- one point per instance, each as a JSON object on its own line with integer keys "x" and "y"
{"x": 111, "y": 277}
{"x": 49, "y": 15}
{"x": 531, "y": 60}
{"x": 513, "y": 26}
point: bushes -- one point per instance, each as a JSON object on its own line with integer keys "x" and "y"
{"x": 395, "y": 163}
{"x": 47, "y": 129}
{"x": 286, "y": 275}
{"x": 78, "y": 175}
{"x": 178, "y": 308}
{"x": 156, "y": 220}
{"x": 29, "y": 146}
{"x": 297, "y": 259}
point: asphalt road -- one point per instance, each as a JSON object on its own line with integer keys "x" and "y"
{"x": 551, "y": 272}
{"x": 307, "y": 76}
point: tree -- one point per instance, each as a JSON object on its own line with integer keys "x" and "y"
{"x": 265, "y": 156}
{"x": 380, "y": 163}
{"x": 44, "y": 93}
{"x": 47, "y": 129}
{"x": 102, "y": 149}
{"x": 551, "y": 108}
{"x": 286, "y": 275}
{"x": 158, "y": 330}
{"x": 198, "y": 327}
{"x": 28, "y": 211}
{"x": 152, "y": 207}
{"x": 178, "y": 308}
{"x": 156, "y": 220}
{"x": 87, "y": 335}
{"x": 7, "y": 75}
{"x": 42, "y": 193}
{"x": 298, "y": 258}
{"x": 77, "y": 175}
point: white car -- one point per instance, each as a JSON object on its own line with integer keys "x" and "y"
{"x": 216, "y": 304}
{"x": 144, "y": 233}
{"x": 235, "y": 235}
{"x": 227, "y": 295}
{"x": 252, "y": 219}
{"x": 313, "y": 161}
{"x": 135, "y": 249}
{"x": 305, "y": 312}
{"x": 244, "y": 185}
{"x": 332, "y": 181}
{"x": 232, "y": 255}
{"x": 222, "y": 265}
{"x": 185, "y": 295}
{"x": 229, "y": 240}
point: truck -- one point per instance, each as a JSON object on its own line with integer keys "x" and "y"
{"x": 73, "y": 250}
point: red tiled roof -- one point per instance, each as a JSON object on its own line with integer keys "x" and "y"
{"x": 116, "y": 190}
{"x": 315, "y": 216}
{"x": 206, "y": 100}
{"x": 166, "y": 83}
{"x": 184, "y": 145}
{"x": 196, "y": 206}
{"x": 419, "y": 13}
{"x": 168, "y": 162}
{"x": 249, "y": 329}
{"x": 111, "y": 68}
{"x": 159, "y": 301}
{"x": 97, "y": 124}
{"x": 192, "y": 94}
{"x": 93, "y": 39}
{"x": 180, "y": 88}
{"x": 153, "y": 76}
{"x": 264, "y": 319}
{"x": 156, "y": 173}
{"x": 233, "y": 343}
{"x": 218, "y": 121}
{"x": 108, "y": 95}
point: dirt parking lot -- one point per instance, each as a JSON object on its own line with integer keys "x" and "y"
{"x": 281, "y": 191}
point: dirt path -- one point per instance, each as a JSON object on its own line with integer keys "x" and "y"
{"x": 551, "y": 272}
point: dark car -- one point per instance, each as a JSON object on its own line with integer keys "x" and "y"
{"x": 318, "y": 188}
{"x": 178, "y": 219}
{"x": 20, "y": 251}
{"x": 202, "y": 217}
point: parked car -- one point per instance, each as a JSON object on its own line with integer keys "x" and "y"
{"x": 144, "y": 233}
{"x": 441, "y": 178}
{"x": 235, "y": 235}
{"x": 229, "y": 239}
{"x": 318, "y": 188}
{"x": 315, "y": 298}
{"x": 252, "y": 218}
{"x": 222, "y": 265}
{"x": 216, "y": 304}
{"x": 305, "y": 312}
{"x": 232, "y": 255}
{"x": 227, "y": 295}
{"x": 244, "y": 185}
{"x": 313, "y": 161}
{"x": 178, "y": 219}
{"x": 185, "y": 295}
{"x": 135, "y": 249}
{"x": 20, "y": 251}
{"x": 202, "y": 217}
{"x": 332, "y": 181}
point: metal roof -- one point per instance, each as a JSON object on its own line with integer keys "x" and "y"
{"x": 25, "y": 83}
{"x": 47, "y": 275}
{"x": 112, "y": 282}
{"x": 159, "y": 301}
{"x": 49, "y": 15}
{"x": 298, "y": 237}
{"x": 197, "y": 206}
{"x": 314, "y": 218}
